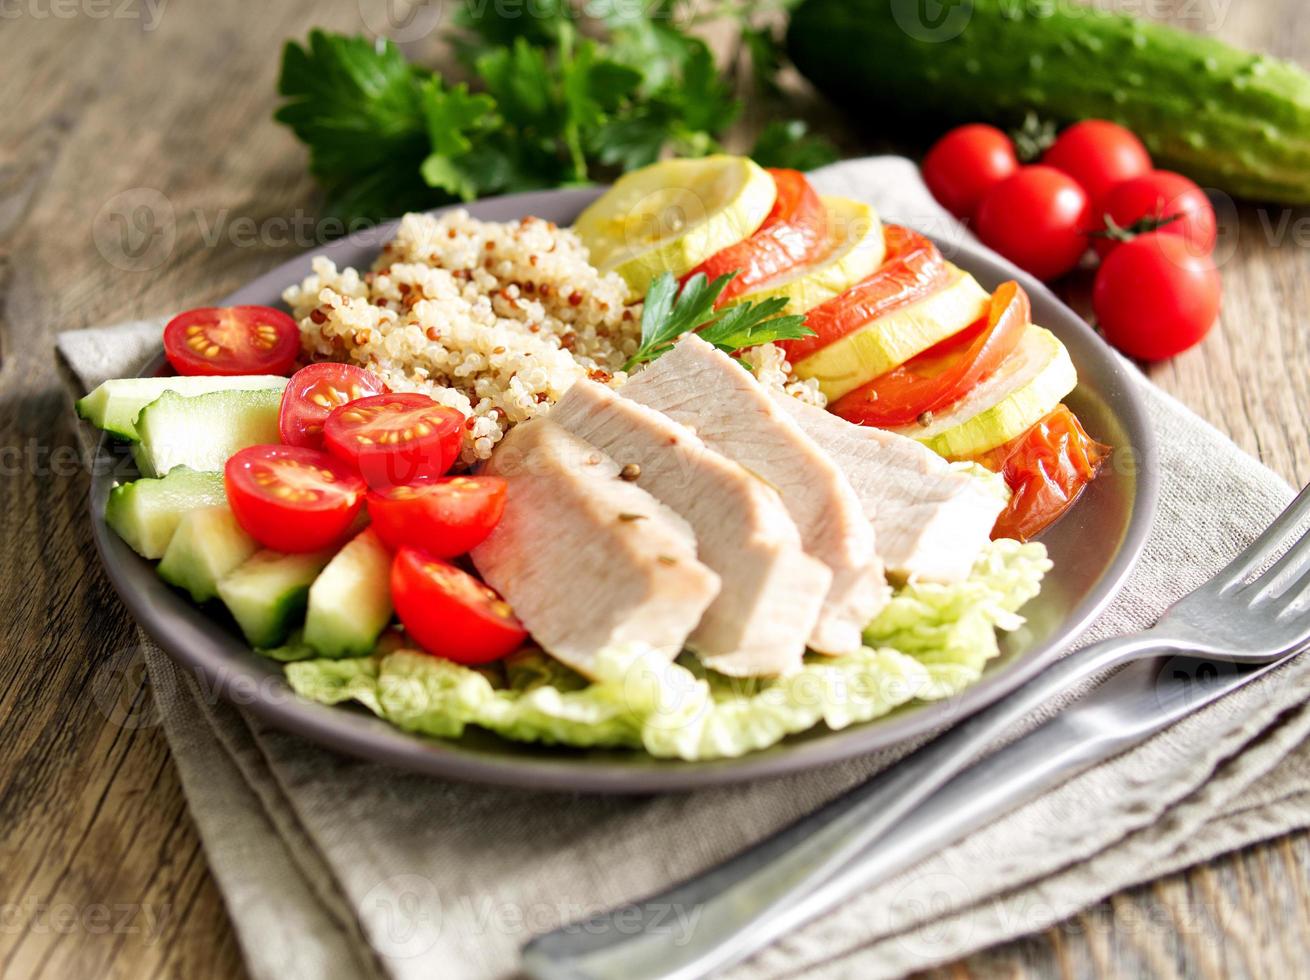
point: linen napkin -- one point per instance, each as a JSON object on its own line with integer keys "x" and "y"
{"x": 332, "y": 867}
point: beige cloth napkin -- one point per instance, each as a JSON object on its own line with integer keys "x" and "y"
{"x": 333, "y": 867}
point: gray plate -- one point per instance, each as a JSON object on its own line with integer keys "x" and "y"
{"x": 1093, "y": 548}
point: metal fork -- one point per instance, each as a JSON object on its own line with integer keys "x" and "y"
{"x": 1248, "y": 619}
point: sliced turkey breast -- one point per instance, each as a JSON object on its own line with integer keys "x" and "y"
{"x": 772, "y": 591}
{"x": 930, "y": 520}
{"x": 702, "y": 388}
{"x": 587, "y": 559}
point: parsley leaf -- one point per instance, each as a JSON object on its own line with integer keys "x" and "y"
{"x": 789, "y": 145}
{"x": 668, "y": 314}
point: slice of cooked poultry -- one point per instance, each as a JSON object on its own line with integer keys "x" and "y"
{"x": 702, "y": 388}
{"x": 772, "y": 591}
{"x": 930, "y": 519}
{"x": 588, "y": 560}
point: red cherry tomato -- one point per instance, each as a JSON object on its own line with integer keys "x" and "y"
{"x": 943, "y": 374}
{"x": 794, "y": 233}
{"x": 292, "y": 499}
{"x": 313, "y": 392}
{"x": 1037, "y": 219}
{"x": 445, "y": 517}
{"x": 230, "y": 340}
{"x": 1147, "y": 203}
{"x": 1046, "y": 469}
{"x": 1098, "y": 154}
{"x": 912, "y": 269}
{"x": 395, "y": 439}
{"x": 449, "y": 612}
{"x": 1154, "y": 297}
{"x": 965, "y": 164}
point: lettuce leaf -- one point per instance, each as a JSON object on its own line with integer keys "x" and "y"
{"x": 930, "y": 642}
{"x": 951, "y": 629}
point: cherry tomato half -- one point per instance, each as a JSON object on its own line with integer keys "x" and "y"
{"x": 1038, "y": 220}
{"x": 794, "y": 233}
{"x": 1046, "y": 469}
{"x": 395, "y": 439}
{"x": 1154, "y": 297}
{"x": 965, "y": 164}
{"x": 449, "y": 612}
{"x": 445, "y": 517}
{"x": 292, "y": 499}
{"x": 231, "y": 340}
{"x": 1098, "y": 154}
{"x": 313, "y": 392}
{"x": 1163, "y": 201}
{"x": 943, "y": 374}
{"x": 913, "y": 269}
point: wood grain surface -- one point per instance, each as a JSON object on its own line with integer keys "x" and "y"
{"x": 109, "y": 104}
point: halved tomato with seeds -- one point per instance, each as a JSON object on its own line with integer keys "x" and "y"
{"x": 445, "y": 517}
{"x": 395, "y": 439}
{"x": 292, "y": 499}
{"x": 230, "y": 340}
{"x": 449, "y": 612}
{"x": 313, "y": 392}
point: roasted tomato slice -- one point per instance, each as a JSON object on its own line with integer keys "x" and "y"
{"x": 794, "y": 234}
{"x": 313, "y": 392}
{"x": 395, "y": 439}
{"x": 913, "y": 269}
{"x": 945, "y": 373}
{"x": 1046, "y": 469}
{"x": 289, "y": 498}
{"x": 232, "y": 340}
{"x": 445, "y": 517}
{"x": 449, "y": 612}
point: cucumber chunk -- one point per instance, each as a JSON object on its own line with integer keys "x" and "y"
{"x": 350, "y": 603}
{"x": 267, "y": 593}
{"x": 207, "y": 545}
{"x": 114, "y": 405}
{"x": 146, "y": 513}
{"x": 203, "y": 431}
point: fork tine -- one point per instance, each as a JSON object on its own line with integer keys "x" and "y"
{"x": 1282, "y": 574}
{"x": 1295, "y": 596}
{"x": 1263, "y": 547}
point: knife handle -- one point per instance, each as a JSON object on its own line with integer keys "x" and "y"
{"x": 752, "y": 899}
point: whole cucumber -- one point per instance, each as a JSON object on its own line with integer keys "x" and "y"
{"x": 1231, "y": 120}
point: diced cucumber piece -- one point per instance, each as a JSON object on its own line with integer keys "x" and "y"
{"x": 267, "y": 593}
{"x": 207, "y": 545}
{"x": 203, "y": 431}
{"x": 146, "y": 513}
{"x": 115, "y": 405}
{"x": 350, "y": 603}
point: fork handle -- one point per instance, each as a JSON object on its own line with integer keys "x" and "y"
{"x": 749, "y": 901}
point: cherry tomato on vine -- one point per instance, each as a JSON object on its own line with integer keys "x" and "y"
{"x": 965, "y": 164}
{"x": 290, "y": 498}
{"x": 230, "y": 340}
{"x": 1159, "y": 201}
{"x": 1038, "y": 220}
{"x": 1154, "y": 297}
{"x": 1099, "y": 155}
{"x": 451, "y": 613}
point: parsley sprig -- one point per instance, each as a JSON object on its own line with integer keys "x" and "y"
{"x": 668, "y": 314}
{"x": 551, "y": 100}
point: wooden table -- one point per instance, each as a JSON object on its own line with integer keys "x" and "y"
{"x": 101, "y": 871}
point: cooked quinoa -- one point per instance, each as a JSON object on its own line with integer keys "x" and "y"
{"x": 494, "y": 319}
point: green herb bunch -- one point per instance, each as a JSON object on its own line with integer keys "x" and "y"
{"x": 553, "y": 99}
